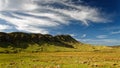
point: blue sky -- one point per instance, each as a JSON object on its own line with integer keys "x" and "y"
{"x": 89, "y": 21}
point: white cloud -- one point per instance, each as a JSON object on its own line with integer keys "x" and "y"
{"x": 101, "y": 41}
{"x": 72, "y": 35}
{"x": 25, "y": 25}
{"x": 116, "y": 32}
{"x": 101, "y": 36}
{"x": 4, "y": 27}
{"x": 111, "y": 28}
{"x": 36, "y": 15}
{"x": 14, "y": 5}
{"x": 84, "y": 35}
{"x": 32, "y": 29}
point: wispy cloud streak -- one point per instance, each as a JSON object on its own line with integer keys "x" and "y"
{"x": 36, "y": 15}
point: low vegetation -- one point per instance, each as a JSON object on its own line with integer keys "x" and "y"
{"x": 61, "y": 60}
{"x": 23, "y": 50}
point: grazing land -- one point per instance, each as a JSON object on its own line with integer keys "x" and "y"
{"x": 82, "y": 59}
{"x": 23, "y": 50}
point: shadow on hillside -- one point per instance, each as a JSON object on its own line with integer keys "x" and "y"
{"x": 24, "y": 45}
{"x": 23, "y": 40}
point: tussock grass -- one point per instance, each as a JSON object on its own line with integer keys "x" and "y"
{"x": 52, "y": 56}
{"x": 60, "y": 60}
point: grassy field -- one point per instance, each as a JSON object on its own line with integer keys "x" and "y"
{"x": 91, "y": 59}
{"x": 50, "y": 56}
{"x": 22, "y": 50}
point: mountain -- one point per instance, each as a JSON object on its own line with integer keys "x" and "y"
{"x": 16, "y": 42}
{"x": 23, "y": 40}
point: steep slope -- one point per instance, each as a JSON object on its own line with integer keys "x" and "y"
{"x": 22, "y": 40}
{"x": 33, "y": 42}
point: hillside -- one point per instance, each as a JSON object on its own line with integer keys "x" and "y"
{"x": 22, "y": 40}
{"x": 32, "y": 42}
{"x": 18, "y": 37}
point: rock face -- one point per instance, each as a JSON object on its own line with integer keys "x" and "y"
{"x": 16, "y": 38}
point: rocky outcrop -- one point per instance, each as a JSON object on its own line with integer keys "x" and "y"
{"x": 15, "y": 38}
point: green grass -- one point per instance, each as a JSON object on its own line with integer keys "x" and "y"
{"x": 60, "y": 60}
{"x": 53, "y": 48}
{"x": 51, "y": 56}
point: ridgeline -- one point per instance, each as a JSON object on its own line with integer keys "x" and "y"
{"x": 16, "y": 42}
{"x": 22, "y": 40}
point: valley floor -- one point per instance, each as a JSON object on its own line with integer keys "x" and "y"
{"x": 61, "y": 60}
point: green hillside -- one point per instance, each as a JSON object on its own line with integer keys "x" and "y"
{"x": 30, "y": 42}
{"x": 28, "y": 50}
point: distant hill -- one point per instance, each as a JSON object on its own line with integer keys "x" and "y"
{"x": 116, "y": 46}
{"x": 16, "y": 42}
{"x": 16, "y": 39}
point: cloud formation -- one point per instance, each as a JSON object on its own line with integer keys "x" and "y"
{"x": 4, "y": 27}
{"x": 84, "y": 35}
{"x": 101, "y": 41}
{"x": 38, "y": 15}
{"x": 116, "y": 32}
{"x": 101, "y": 36}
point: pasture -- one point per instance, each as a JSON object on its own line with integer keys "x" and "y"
{"x": 92, "y": 59}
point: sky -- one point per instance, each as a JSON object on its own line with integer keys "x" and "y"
{"x": 89, "y": 21}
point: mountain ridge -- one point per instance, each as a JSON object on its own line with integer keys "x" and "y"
{"x": 16, "y": 42}
{"x": 16, "y": 38}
